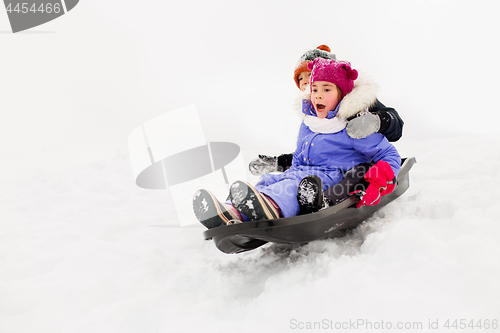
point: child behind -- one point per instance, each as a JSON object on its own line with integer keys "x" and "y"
{"x": 323, "y": 149}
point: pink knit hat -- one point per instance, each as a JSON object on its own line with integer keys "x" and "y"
{"x": 339, "y": 73}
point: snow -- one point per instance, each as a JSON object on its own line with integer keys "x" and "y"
{"x": 100, "y": 255}
{"x": 83, "y": 249}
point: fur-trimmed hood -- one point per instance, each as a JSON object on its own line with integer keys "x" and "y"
{"x": 360, "y": 99}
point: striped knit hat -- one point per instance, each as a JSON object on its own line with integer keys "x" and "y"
{"x": 322, "y": 51}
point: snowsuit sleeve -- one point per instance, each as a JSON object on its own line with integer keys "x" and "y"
{"x": 377, "y": 148}
{"x": 300, "y": 141}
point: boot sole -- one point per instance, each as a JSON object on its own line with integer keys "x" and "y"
{"x": 209, "y": 211}
{"x": 248, "y": 201}
{"x": 309, "y": 194}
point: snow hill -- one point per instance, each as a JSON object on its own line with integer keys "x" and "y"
{"x": 86, "y": 250}
{"x": 83, "y": 249}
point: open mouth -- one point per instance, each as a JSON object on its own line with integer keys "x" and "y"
{"x": 320, "y": 107}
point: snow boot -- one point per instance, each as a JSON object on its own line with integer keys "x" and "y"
{"x": 210, "y": 212}
{"x": 249, "y": 202}
{"x": 310, "y": 195}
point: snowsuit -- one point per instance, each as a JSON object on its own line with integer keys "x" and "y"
{"x": 361, "y": 98}
{"x": 327, "y": 155}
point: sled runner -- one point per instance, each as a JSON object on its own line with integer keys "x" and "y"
{"x": 328, "y": 223}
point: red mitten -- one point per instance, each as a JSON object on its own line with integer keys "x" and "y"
{"x": 382, "y": 182}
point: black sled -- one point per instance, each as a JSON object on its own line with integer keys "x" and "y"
{"x": 328, "y": 223}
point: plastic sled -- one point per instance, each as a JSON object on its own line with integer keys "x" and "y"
{"x": 328, "y": 223}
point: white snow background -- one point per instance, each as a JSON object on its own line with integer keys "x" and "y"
{"x": 83, "y": 249}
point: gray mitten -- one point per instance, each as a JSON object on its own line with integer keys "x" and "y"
{"x": 364, "y": 125}
{"x": 264, "y": 164}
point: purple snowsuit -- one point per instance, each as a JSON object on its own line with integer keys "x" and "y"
{"x": 328, "y": 156}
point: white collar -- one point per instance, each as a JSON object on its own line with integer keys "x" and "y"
{"x": 325, "y": 126}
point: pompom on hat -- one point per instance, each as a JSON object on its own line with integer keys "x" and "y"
{"x": 339, "y": 73}
{"x": 322, "y": 51}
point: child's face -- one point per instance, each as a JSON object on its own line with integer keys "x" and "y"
{"x": 303, "y": 79}
{"x": 325, "y": 97}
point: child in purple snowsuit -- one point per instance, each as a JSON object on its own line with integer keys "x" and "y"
{"x": 323, "y": 149}
{"x": 362, "y": 98}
